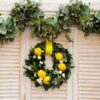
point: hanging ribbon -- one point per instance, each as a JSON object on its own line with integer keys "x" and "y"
{"x": 49, "y": 47}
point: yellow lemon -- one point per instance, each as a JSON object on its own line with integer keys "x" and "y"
{"x": 37, "y": 51}
{"x": 62, "y": 66}
{"x": 59, "y": 56}
{"x": 41, "y": 74}
{"x": 46, "y": 80}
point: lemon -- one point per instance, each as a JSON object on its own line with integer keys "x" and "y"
{"x": 62, "y": 66}
{"x": 41, "y": 74}
{"x": 59, "y": 56}
{"x": 46, "y": 80}
{"x": 37, "y": 51}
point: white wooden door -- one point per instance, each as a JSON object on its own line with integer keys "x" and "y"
{"x": 86, "y": 53}
{"x": 12, "y": 82}
{"x": 86, "y": 76}
{"x": 10, "y": 71}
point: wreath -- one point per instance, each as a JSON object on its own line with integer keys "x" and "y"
{"x": 39, "y": 72}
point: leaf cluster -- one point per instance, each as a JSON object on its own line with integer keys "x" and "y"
{"x": 80, "y": 15}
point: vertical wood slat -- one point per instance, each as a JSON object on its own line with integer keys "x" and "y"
{"x": 22, "y": 64}
{"x": 70, "y": 80}
{"x": 28, "y": 42}
{"x": 75, "y": 60}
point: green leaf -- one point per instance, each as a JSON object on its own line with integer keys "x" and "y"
{"x": 85, "y": 18}
{"x": 50, "y": 21}
{"x": 65, "y": 10}
{"x": 3, "y": 28}
{"x": 97, "y": 15}
{"x": 65, "y": 27}
{"x": 85, "y": 9}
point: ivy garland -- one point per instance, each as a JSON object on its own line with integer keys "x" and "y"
{"x": 38, "y": 71}
{"x": 80, "y": 15}
{"x": 22, "y": 15}
{"x": 28, "y": 14}
{"x": 47, "y": 28}
{"x": 8, "y": 29}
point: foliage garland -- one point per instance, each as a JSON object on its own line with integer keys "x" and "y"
{"x": 37, "y": 71}
{"x": 8, "y": 29}
{"x": 28, "y": 14}
{"x": 80, "y": 15}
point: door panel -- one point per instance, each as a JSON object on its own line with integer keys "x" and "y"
{"x": 87, "y": 59}
{"x": 10, "y": 70}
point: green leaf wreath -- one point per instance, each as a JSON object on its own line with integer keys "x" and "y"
{"x": 39, "y": 72}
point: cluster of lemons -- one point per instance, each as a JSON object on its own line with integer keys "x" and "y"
{"x": 59, "y": 57}
{"x": 41, "y": 73}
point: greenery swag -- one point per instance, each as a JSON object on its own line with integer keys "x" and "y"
{"x": 38, "y": 71}
{"x": 28, "y": 14}
{"x": 80, "y": 15}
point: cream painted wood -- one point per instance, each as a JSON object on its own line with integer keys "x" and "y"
{"x": 89, "y": 67}
{"x": 87, "y": 71}
{"x": 13, "y": 84}
{"x": 10, "y": 71}
{"x": 75, "y": 51}
{"x": 22, "y": 63}
{"x": 6, "y": 6}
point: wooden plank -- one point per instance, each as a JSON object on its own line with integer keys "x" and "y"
{"x": 48, "y": 98}
{"x": 49, "y": 95}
